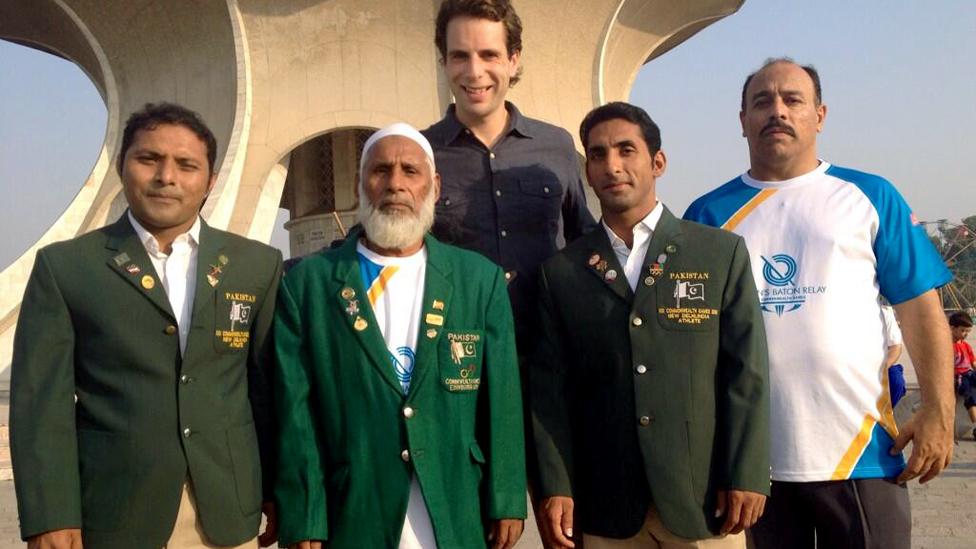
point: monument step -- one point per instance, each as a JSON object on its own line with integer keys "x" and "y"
{"x": 6, "y": 469}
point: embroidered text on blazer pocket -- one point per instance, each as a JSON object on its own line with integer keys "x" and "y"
{"x": 460, "y": 360}
{"x": 233, "y": 315}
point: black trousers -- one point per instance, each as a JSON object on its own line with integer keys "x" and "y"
{"x": 855, "y": 514}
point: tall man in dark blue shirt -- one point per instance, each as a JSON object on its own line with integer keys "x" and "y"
{"x": 511, "y": 186}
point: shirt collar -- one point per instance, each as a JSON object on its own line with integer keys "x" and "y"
{"x": 149, "y": 241}
{"x": 648, "y": 224}
{"x": 517, "y": 123}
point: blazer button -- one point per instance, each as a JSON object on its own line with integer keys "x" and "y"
{"x": 170, "y": 330}
{"x": 405, "y": 455}
{"x": 184, "y": 379}
{"x": 641, "y": 369}
{"x": 637, "y": 321}
{"x": 408, "y": 412}
{"x": 187, "y": 432}
{"x": 645, "y": 420}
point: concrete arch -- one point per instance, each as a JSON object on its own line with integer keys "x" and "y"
{"x": 269, "y": 75}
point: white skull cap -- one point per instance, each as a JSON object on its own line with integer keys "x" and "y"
{"x": 402, "y": 129}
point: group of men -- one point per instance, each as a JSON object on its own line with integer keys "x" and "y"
{"x": 169, "y": 386}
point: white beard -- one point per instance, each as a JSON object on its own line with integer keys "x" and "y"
{"x": 396, "y": 230}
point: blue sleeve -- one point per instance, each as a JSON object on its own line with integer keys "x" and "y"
{"x": 718, "y": 206}
{"x": 908, "y": 264}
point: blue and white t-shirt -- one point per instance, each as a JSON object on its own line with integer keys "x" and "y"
{"x": 395, "y": 288}
{"x": 823, "y": 246}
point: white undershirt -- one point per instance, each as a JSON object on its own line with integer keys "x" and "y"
{"x": 176, "y": 271}
{"x": 632, "y": 259}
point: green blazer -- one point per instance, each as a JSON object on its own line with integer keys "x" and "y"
{"x": 107, "y": 420}
{"x": 658, "y": 395}
{"x": 350, "y": 440}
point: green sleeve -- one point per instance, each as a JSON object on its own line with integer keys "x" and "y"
{"x": 548, "y": 401}
{"x": 743, "y": 378}
{"x": 43, "y": 439}
{"x": 260, "y": 378}
{"x": 505, "y": 436}
{"x": 299, "y": 486}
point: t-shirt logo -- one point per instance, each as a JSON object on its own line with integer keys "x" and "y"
{"x": 784, "y": 296}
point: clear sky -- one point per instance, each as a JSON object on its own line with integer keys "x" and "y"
{"x": 899, "y": 80}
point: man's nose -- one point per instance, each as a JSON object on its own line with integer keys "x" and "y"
{"x": 165, "y": 171}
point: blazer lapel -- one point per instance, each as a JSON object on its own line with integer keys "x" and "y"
{"x": 212, "y": 264}
{"x": 665, "y": 245}
{"x": 602, "y": 263}
{"x": 351, "y": 299}
{"x": 129, "y": 259}
{"x": 434, "y": 315}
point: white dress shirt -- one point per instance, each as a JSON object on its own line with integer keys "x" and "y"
{"x": 632, "y": 259}
{"x": 176, "y": 271}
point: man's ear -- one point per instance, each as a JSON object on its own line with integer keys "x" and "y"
{"x": 659, "y": 163}
{"x": 437, "y": 186}
{"x": 821, "y": 116}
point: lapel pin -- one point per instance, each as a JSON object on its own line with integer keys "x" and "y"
{"x": 133, "y": 269}
{"x": 222, "y": 259}
{"x": 431, "y": 333}
{"x": 347, "y": 293}
{"x": 594, "y": 259}
{"x": 148, "y": 282}
{"x": 601, "y": 265}
{"x": 121, "y": 259}
{"x": 670, "y": 248}
{"x": 649, "y": 281}
{"x": 656, "y": 269}
{"x": 360, "y": 324}
{"x": 436, "y": 320}
{"x": 353, "y": 307}
{"x": 438, "y": 305}
{"x": 212, "y": 280}
{"x": 662, "y": 259}
{"x": 611, "y": 275}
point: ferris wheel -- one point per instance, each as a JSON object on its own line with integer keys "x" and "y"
{"x": 956, "y": 243}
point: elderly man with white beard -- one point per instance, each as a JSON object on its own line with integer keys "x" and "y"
{"x": 397, "y": 382}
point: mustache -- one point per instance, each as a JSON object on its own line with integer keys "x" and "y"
{"x": 776, "y": 124}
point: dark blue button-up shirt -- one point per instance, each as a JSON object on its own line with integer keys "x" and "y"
{"x": 516, "y": 203}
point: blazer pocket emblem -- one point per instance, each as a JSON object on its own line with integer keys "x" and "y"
{"x": 233, "y": 319}
{"x": 461, "y": 371}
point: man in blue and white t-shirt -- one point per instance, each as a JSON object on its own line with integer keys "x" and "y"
{"x": 825, "y": 242}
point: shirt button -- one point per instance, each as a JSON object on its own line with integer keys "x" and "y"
{"x": 408, "y": 412}
{"x": 187, "y": 432}
{"x": 641, "y": 369}
{"x": 637, "y": 321}
{"x": 498, "y": 193}
{"x": 405, "y": 455}
{"x": 170, "y": 330}
{"x": 491, "y": 155}
{"x": 644, "y": 420}
{"x": 504, "y": 233}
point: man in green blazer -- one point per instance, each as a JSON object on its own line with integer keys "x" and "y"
{"x": 398, "y": 388}
{"x": 649, "y": 395}
{"x": 140, "y": 392}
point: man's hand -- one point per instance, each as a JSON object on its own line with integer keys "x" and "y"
{"x": 557, "y": 522}
{"x": 926, "y": 334}
{"x": 504, "y": 533}
{"x": 69, "y": 538}
{"x": 270, "y": 534}
{"x": 307, "y": 544}
{"x": 931, "y": 434}
{"x": 741, "y": 508}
